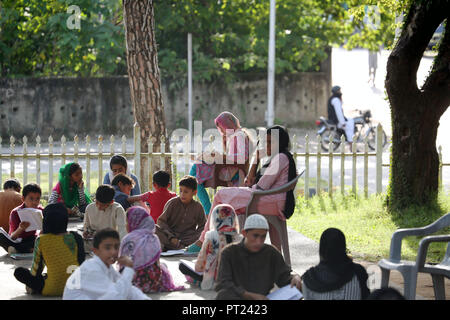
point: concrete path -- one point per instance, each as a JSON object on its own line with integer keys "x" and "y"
{"x": 304, "y": 254}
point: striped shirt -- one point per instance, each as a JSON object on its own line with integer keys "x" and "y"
{"x": 349, "y": 291}
{"x": 56, "y": 197}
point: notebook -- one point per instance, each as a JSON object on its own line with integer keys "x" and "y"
{"x": 2, "y": 231}
{"x": 286, "y": 293}
{"x": 190, "y": 265}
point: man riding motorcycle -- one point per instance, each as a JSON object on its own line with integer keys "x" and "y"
{"x": 336, "y": 114}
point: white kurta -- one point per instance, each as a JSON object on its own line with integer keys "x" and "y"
{"x": 349, "y": 124}
{"x": 113, "y": 217}
{"x": 93, "y": 280}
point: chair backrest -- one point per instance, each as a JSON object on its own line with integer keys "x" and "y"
{"x": 446, "y": 260}
{"x": 251, "y": 206}
{"x": 441, "y": 223}
{"x": 396, "y": 240}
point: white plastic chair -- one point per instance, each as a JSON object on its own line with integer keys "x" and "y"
{"x": 410, "y": 269}
{"x": 279, "y": 225}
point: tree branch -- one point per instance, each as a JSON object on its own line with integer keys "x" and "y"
{"x": 437, "y": 85}
{"x": 423, "y": 19}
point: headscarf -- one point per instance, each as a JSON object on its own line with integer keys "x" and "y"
{"x": 283, "y": 147}
{"x": 336, "y": 268}
{"x": 227, "y": 120}
{"x": 55, "y": 219}
{"x": 141, "y": 243}
{"x": 223, "y": 220}
{"x": 232, "y": 138}
{"x": 223, "y": 224}
{"x": 55, "y": 222}
{"x": 70, "y": 198}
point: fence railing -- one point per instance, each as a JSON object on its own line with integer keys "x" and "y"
{"x": 354, "y": 155}
{"x": 54, "y": 160}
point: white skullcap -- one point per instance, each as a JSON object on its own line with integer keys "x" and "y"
{"x": 256, "y": 221}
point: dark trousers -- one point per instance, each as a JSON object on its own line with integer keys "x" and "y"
{"x": 185, "y": 239}
{"x": 26, "y": 246}
{"x": 186, "y": 271}
{"x": 36, "y": 283}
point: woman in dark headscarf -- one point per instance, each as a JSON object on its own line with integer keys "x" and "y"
{"x": 279, "y": 170}
{"x": 336, "y": 277}
{"x": 55, "y": 248}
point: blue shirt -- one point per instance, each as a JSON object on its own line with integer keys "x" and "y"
{"x": 134, "y": 192}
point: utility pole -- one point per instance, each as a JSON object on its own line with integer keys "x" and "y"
{"x": 271, "y": 68}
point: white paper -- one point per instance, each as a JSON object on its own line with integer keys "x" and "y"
{"x": 33, "y": 216}
{"x": 172, "y": 252}
{"x": 180, "y": 252}
{"x": 286, "y": 293}
{"x": 18, "y": 240}
{"x": 190, "y": 265}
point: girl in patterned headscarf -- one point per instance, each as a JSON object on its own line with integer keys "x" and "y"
{"x": 224, "y": 230}
{"x": 144, "y": 248}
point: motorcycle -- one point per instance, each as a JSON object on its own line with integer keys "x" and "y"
{"x": 363, "y": 128}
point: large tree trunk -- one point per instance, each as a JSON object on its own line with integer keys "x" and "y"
{"x": 144, "y": 77}
{"x": 416, "y": 112}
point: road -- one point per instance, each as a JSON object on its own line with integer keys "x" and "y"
{"x": 350, "y": 71}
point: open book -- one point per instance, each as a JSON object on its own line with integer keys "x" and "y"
{"x": 2, "y": 231}
{"x": 180, "y": 252}
{"x": 33, "y": 216}
{"x": 286, "y": 293}
{"x": 190, "y": 265}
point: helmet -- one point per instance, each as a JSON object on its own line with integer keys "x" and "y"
{"x": 335, "y": 89}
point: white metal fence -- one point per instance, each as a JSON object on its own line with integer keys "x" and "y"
{"x": 46, "y": 161}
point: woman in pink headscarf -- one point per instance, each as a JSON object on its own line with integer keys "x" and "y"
{"x": 236, "y": 144}
{"x": 144, "y": 248}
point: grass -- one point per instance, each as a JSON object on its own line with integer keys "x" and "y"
{"x": 367, "y": 225}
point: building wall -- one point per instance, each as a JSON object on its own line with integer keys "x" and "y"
{"x": 69, "y": 106}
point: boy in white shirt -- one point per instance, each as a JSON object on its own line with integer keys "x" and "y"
{"x": 104, "y": 213}
{"x": 97, "y": 279}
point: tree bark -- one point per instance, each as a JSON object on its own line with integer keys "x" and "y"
{"x": 144, "y": 76}
{"x": 416, "y": 112}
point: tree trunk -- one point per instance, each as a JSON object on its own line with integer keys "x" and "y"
{"x": 416, "y": 112}
{"x": 144, "y": 77}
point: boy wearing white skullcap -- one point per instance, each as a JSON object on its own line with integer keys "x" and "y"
{"x": 256, "y": 221}
{"x": 249, "y": 269}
